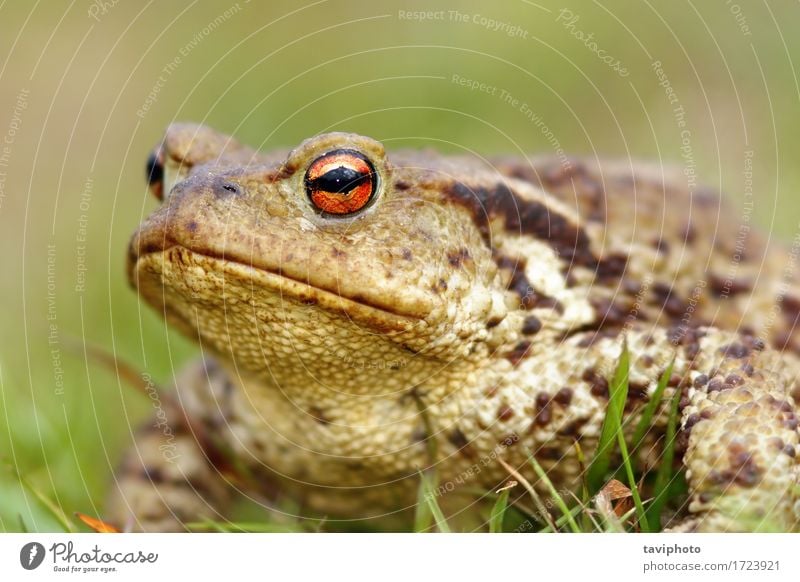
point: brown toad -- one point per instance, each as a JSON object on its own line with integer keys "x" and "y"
{"x": 366, "y": 315}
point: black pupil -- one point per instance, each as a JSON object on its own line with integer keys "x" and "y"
{"x": 339, "y": 180}
{"x": 155, "y": 171}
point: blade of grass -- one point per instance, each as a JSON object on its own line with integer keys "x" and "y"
{"x": 537, "y": 500}
{"x": 562, "y": 521}
{"x": 423, "y": 517}
{"x": 46, "y": 502}
{"x": 612, "y": 424}
{"x": 562, "y": 506}
{"x": 499, "y": 512}
{"x": 646, "y": 420}
{"x": 429, "y": 499}
{"x": 644, "y": 524}
{"x": 665, "y": 472}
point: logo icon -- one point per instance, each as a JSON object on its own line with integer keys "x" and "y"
{"x": 31, "y": 555}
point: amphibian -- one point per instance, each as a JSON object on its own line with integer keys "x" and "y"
{"x": 365, "y": 315}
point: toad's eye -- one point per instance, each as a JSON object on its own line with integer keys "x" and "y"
{"x": 341, "y": 182}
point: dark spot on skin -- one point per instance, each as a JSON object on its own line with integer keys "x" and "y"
{"x": 569, "y": 241}
{"x": 460, "y": 442}
{"x": 318, "y": 415}
{"x": 691, "y": 421}
{"x": 598, "y": 384}
{"x": 748, "y": 369}
{"x": 706, "y": 413}
{"x": 721, "y": 287}
{"x": 660, "y": 245}
{"x": 734, "y": 380}
{"x": 665, "y": 298}
{"x": 407, "y": 254}
{"x": 630, "y": 287}
{"x": 519, "y": 353}
{"x": 401, "y": 185}
{"x": 549, "y": 454}
{"x": 518, "y": 282}
{"x": 674, "y": 380}
{"x": 531, "y": 325}
{"x": 563, "y": 396}
{"x": 543, "y": 412}
{"x": 783, "y": 341}
{"x": 647, "y": 361}
{"x": 494, "y": 322}
{"x": 611, "y": 314}
{"x": 743, "y": 471}
{"x": 612, "y": 267}
{"x": 790, "y": 307}
{"x": 716, "y": 385}
{"x": 191, "y": 226}
{"x": 542, "y": 417}
{"x": 505, "y": 413}
{"x": 789, "y": 450}
{"x": 688, "y": 234}
{"x": 542, "y": 400}
{"x": 338, "y": 253}
{"x": 545, "y": 302}
{"x": 509, "y": 440}
{"x": 572, "y": 429}
{"x": 637, "y": 391}
{"x": 701, "y": 380}
{"x": 735, "y": 351}
{"x": 457, "y": 258}
{"x": 153, "y": 474}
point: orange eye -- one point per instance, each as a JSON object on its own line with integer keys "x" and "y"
{"x": 341, "y": 182}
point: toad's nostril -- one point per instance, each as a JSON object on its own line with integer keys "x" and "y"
{"x": 155, "y": 175}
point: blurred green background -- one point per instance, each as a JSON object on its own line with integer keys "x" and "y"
{"x": 87, "y": 88}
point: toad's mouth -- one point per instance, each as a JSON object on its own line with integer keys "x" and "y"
{"x": 162, "y": 273}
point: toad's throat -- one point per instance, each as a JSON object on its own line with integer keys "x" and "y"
{"x": 174, "y": 261}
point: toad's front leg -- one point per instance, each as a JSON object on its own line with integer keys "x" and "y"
{"x": 176, "y": 471}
